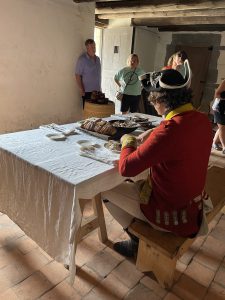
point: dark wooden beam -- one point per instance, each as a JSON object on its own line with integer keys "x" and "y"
{"x": 164, "y": 14}
{"x": 158, "y": 22}
{"x": 111, "y": 7}
{"x": 196, "y": 28}
{"x": 101, "y": 23}
{"x": 81, "y": 1}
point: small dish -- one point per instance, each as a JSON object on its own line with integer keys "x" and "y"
{"x": 86, "y": 143}
{"x": 56, "y": 136}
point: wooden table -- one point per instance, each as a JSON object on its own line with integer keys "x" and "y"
{"x": 44, "y": 185}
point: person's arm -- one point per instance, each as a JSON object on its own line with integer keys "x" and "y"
{"x": 143, "y": 136}
{"x": 135, "y": 160}
{"x": 80, "y": 84}
{"x": 117, "y": 79}
{"x": 117, "y": 82}
{"x": 220, "y": 89}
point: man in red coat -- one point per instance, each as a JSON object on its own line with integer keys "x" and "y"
{"x": 176, "y": 153}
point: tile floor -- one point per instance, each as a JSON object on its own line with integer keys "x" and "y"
{"x": 27, "y": 272}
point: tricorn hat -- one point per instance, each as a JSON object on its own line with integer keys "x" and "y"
{"x": 166, "y": 79}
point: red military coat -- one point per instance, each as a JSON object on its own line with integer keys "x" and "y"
{"x": 177, "y": 153}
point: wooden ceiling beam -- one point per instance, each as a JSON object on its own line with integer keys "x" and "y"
{"x": 114, "y": 7}
{"x": 197, "y": 28}
{"x": 101, "y": 23}
{"x": 165, "y": 14}
{"x": 158, "y": 22}
{"x": 81, "y": 1}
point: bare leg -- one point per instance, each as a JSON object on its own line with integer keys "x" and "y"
{"x": 222, "y": 135}
{"x": 217, "y": 140}
{"x": 216, "y": 137}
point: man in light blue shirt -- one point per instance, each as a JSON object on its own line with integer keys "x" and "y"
{"x": 88, "y": 71}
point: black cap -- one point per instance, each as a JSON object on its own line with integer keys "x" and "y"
{"x": 169, "y": 79}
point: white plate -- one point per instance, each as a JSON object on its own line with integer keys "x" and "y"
{"x": 56, "y": 136}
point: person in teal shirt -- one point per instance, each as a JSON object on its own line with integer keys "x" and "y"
{"x": 129, "y": 84}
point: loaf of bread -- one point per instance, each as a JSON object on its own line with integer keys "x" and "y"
{"x": 99, "y": 126}
{"x": 89, "y": 125}
{"x": 108, "y": 129}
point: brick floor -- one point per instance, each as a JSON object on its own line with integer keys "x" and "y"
{"x": 27, "y": 272}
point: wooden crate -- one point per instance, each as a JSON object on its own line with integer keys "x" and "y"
{"x": 98, "y": 110}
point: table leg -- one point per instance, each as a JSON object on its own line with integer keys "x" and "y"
{"x": 98, "y": 209}
{"x": 97, "y": 220}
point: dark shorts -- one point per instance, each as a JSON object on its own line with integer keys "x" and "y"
{"x": 219, "y": 118}
{"x": 130, "y": 103}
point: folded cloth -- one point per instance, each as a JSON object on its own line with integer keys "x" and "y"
{"x": 59, "y": 128}
{"x": 207, "y": 204}
{"x": 145, "y": 189}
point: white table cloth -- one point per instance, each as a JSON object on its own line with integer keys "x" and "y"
{"x": 41, "y": 181}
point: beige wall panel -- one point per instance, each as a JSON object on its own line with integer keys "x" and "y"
{"x": 39, "y": 43}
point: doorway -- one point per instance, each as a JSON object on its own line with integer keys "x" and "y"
{"x": 199, "y": 58}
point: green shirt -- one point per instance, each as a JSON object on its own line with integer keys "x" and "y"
{"x": 134, "y": 85}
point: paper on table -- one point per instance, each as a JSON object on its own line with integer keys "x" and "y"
{"x": 102, "y": 155}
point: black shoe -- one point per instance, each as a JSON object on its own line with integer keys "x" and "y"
{"x": 132, "y": 236}
{"x": 216, "y": 147}
{"x": 127, "y": 248}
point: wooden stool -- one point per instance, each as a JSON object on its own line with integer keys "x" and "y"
{"x": 159, "y": 251}
{"x": 98, "y": 110}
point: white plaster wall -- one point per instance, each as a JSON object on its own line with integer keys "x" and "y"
{"x": 145, "y": 46}
{"x": 39, "y": 44}
{"x": 98, "y": 41}
{"x": 165, "y": 39}
{"x": 112, "y": 62}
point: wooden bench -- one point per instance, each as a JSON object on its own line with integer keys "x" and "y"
{"x": 159, "y": 251}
